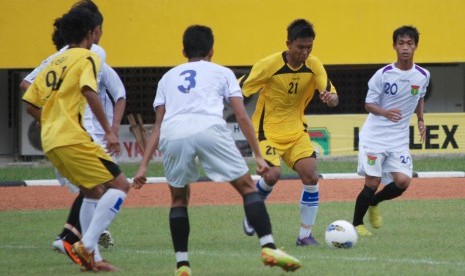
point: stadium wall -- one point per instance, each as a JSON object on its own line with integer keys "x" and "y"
{"x": 147, "y": 33}
{"x": 332, "y": 136}
{"x": 143, "y": 40}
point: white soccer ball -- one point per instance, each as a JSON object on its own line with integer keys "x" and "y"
{"x": 341, "y": 234}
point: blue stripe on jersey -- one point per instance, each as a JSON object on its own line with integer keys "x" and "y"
{"x": 421, "y": 70}
{"x": 387, "y": 68}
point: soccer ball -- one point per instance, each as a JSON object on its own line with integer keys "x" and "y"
{"x": 341, "y": 234}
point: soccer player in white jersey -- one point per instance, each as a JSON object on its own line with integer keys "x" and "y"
{"x": 395, "y": 93}
{"x": 189, "y": 124}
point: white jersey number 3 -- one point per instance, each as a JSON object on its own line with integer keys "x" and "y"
{"x": 189, "y": 81}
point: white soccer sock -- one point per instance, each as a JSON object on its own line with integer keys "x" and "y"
{"x": 266, "y": 239}
{"x": 181, "y": 257}
{"x": 263, "y": 189}
{"x": 86, "y": 213}
{"x": 304, "y": 232}
{"x": 106, "y": 210}
{"x": 308, "y": 208}
{"x": 85, "y": 217}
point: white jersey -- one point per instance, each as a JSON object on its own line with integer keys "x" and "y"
{"x": 390, "y": 88}
{"x": 110, "y": 90}
{"x": 95, "y": 48}
{"x": 193, "y": 94}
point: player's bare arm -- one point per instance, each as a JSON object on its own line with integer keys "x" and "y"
{"x": 95, "y": 105}
{"x": 393, "y": 114}
{"x": 118, "y": 112}
{"x": 24, "y": 85}
{"x": 421, "y": 122}
{"x": 141, "y": 175}
{"x": 246, "y": 126}
{"x": 34, "y": 111}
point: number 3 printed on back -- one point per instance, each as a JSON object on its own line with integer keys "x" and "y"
{"x": 188, "y": 82}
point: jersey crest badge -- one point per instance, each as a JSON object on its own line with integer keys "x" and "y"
{"x": 414, "y": 90}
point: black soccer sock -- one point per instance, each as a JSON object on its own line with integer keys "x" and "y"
{"x": 73, "y": 217}
{"x": 179, "y": 227}
{"x": 389, "y": 191}
{"x": 361, "y": 205}
{"x": 258, "y": 217}
{"x": 73, "y": 220}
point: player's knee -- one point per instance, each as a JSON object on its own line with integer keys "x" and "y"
{"x": 272, "y": 177}
{"x": 402, "y": 181}
{"x": 120, "y": 183}
{"x": 403, "y": 184}
{"x": 311, "y": 179}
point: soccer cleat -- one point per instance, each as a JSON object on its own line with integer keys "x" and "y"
{"x": 248, "y": 229}
{"x": 105, "y": 266}
{"x": 362, "y": 230}
{"x": 183, "y": 271}
{"x": 277, "y": 257}
{"x": 310, "y": 240}
{"x": 65, "y": 247}
{"x": 105, "y": 240}
{"x": 374, "y": 216}
{"x": 86, "y": 257}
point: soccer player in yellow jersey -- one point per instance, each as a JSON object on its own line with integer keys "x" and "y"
{"x": 61, "y": 91}
{"x": 286, "y": 83}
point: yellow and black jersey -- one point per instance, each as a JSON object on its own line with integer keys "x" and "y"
{"x": 57, "y": 91}
{"x": 285, "y": 92}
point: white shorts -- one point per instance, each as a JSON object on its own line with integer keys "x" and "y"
{"x": 215, "y": 150}
{"x": 382, "y": 163}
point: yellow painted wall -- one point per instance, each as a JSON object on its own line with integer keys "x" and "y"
{"x": 144, "y": 33}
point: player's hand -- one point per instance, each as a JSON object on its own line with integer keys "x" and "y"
{"x": 422, "y": 129}
{"x": 140, "y": 178}
{"x": 393, "y": 115}
{"x": 113, "y": 145}
{"x": 262, "y": 167}
{"x": 328, "y": 98}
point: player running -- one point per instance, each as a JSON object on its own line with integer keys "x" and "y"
{"x": 286, "y": 83}
{"x": 395, "y": 93}
{"x": 189, "y": 124}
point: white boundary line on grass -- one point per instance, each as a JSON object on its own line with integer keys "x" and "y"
{"x": 157, "y": 180}
{"x": 247, "y": 254}
{"x": 353, "y": 259}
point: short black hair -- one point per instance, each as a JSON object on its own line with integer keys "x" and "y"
{"x": 57, "y": 37}
{"x": 92, "y": 7}
{"x": 197, "y": 41}
{"x": 300, "y": 28}
{"x": 409, "y": 31}
{"x": 76, "y": 24}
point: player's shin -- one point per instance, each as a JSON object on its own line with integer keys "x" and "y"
{"x": 105, "y": 211}
{"x": 180, "y": 229}
{"x": 361, "y": 204}
{"x": 258, "y": 217}
{"x": 308, "y": 209}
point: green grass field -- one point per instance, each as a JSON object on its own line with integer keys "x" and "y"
{"x": 423, "y": 237}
